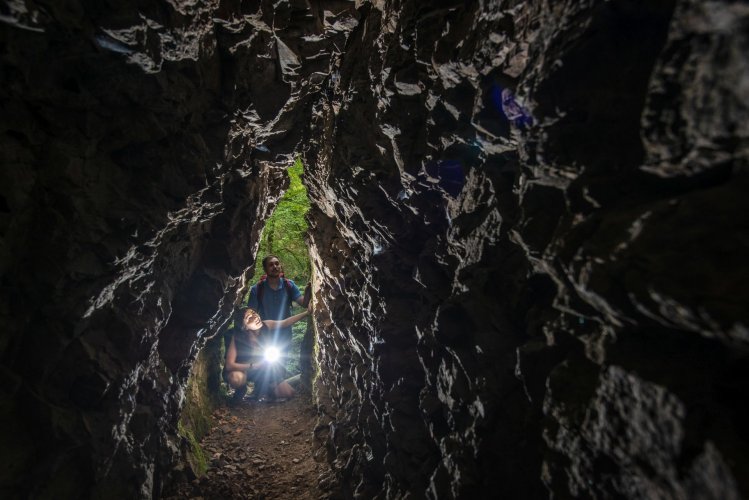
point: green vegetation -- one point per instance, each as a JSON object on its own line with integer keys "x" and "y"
{"x": 284, "y": 232}
{"x": 195, "y": 455}
{"x": 283, "y": 236}
{"x": 297, "y": 335}
{"x": 195, "y": 419}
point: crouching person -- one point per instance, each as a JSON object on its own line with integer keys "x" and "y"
{"x": 246, "y": 359}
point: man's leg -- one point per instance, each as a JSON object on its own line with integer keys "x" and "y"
{"x": 284, "y": 390}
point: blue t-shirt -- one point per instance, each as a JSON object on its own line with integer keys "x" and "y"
{"x": 275, "y": 305}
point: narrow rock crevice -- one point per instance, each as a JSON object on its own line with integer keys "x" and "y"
{"x": 528, "y": 234}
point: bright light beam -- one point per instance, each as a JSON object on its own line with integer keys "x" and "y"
{"x": 272, "y": 354}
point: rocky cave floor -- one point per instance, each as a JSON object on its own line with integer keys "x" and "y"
{"x": 260, "y": 450}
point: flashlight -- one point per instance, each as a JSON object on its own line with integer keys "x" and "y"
{"x": 272, "y": 354}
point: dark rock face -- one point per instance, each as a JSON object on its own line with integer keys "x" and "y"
{"x": 142, "y": 148}
{"x": 529, "y": 235}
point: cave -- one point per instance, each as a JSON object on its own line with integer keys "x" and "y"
{"x": 527, "y": 242}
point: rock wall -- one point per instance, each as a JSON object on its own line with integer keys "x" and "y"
{"x": 143, "y": 145}
{"x": 530, "y": 233}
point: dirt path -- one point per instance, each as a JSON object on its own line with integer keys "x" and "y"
{"x": 261, "y": 450}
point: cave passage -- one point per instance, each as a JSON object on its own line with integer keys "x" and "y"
{"x": 527, "y": 234}
{"x": 259, "y": 450}
{"x": 253, "y": 445}
{"x": 284, "y": 235}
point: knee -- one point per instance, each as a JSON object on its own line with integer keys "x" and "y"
{"x": 236, "y": 379}
{"x": 284, "y": 390}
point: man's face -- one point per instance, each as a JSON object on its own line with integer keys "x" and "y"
{"x": 273, "y": 268}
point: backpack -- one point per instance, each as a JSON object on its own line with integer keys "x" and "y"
{"x": 260, "y": 288}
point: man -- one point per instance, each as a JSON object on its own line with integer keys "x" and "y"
{"x": 272, "y": 296}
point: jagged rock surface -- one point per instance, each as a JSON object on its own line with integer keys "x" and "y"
{"x": 143, "y": 145}
{"x": 530, "y": 233}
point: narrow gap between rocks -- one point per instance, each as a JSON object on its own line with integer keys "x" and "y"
{"x": 258, "y": 447}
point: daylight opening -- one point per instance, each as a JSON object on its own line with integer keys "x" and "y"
{"x": 283, "y": 236}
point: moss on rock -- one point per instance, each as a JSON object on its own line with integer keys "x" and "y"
{"x": 201, "y": 397}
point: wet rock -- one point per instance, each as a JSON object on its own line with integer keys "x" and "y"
{"x": 528, "y": 233}
{"x": 142, "y": 150}
{"x": 531, "y": 271}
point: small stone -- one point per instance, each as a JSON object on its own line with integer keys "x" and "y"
{"x": 296, "y": 460}
{"x": 218, "y": 462}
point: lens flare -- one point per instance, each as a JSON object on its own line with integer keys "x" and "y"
{"x": 272, "y": 354}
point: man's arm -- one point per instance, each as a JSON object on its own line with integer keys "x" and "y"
{"x": 307, "y": 297}
{"x": 296, "y": 295}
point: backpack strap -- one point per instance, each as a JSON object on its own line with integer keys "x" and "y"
{"x": 289, "y": 291}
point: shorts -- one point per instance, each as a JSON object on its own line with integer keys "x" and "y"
{"x": 269, "y": 377}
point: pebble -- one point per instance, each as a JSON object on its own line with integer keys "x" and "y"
{"x": 296, "y": 460}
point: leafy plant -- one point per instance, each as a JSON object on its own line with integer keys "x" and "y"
{"x": 284, "y": 232}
